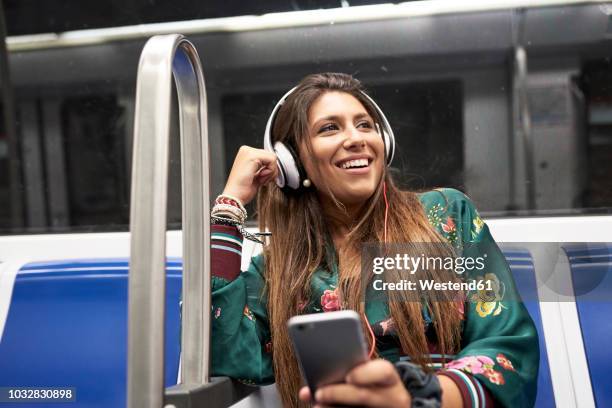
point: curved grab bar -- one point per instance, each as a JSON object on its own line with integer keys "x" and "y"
{"x": 162, "y": 58}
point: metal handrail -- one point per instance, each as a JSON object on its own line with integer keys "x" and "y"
{"x": 522, "y": 111}
{"x": 165, "y": 57}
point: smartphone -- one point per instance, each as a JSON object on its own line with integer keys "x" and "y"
{"x": 327, "y": 345}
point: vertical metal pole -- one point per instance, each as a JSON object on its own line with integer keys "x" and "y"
{"x": 523, "y": 114}
{"x": 525, "y": 124}
{"x": 164, "y": 57}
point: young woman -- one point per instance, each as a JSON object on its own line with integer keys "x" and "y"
{"x": 480, "y": 349}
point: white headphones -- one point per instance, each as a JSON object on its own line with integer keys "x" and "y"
{"x": 291, "y": 173}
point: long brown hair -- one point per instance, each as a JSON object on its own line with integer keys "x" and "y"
{"x": 298, "y": 246}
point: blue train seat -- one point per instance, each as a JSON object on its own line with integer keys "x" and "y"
{"x": 523, "y": 271}
{"x": 67, "y": 327}
{"x": 591, "y": 269}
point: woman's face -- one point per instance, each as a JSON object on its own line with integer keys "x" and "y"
{"x": 348, "y": 151}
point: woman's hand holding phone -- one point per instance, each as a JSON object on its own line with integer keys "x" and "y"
{"x": 375, "y": 383}
{"x": 252, "y": 168}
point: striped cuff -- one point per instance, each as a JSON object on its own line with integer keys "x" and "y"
{"x": 473, "y": 394}
{"x": 226, "y": 251}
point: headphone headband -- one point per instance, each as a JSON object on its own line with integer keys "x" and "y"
{"x": 290, "y": 172}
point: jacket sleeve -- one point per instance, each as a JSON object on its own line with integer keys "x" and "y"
{"x": 240, "y": 340}
{"x": 499, "y": 346}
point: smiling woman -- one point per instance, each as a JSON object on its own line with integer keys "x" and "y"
{"x": 328, "y": 147}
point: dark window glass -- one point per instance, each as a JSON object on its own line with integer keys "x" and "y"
{"x": 597, "y": 86}
{"x": 95, "y": 161}
{"x": 427, "y": 122}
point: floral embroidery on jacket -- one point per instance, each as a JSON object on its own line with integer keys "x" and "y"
{"x": 504, "y": 362}
{"x": 217, "y": 312}
{"x": 449, "y": 230}
{"x": 477, "y": 225}
{"x": 495, "y": 377}
{"x": 434, "y": 215}
{"x": 450, "y": 226}
{"x": 489, "y": 301}
{"x": 479, "y": 365}
{"x": 472, "y": 364}
{"x": 247, "y": 312}
{"x": 330, "y": 301}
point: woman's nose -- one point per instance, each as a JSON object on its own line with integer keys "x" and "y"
{"x": 354, "y": 138}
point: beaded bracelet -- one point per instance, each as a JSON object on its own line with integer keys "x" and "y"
{"x": 229, "y": 209}
{"x": 230, "y": 200}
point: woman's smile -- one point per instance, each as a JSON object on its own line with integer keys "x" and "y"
{"x": 359, "y": 164}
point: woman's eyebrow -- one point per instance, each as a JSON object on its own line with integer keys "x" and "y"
{"x": 336, "y": 118}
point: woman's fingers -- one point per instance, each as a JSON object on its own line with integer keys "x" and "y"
{"x": 264, "y": 171}
{"x": 304, "y": 394}
{"x": 348, "y": 394}
{"x": 375, "y": 372}
{"x": 267, "y": 173}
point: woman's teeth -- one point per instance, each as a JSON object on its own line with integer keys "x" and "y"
{"x": 355, "y": 163}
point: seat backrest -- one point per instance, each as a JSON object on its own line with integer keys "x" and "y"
{"x": 523, "y": 271}
{"x": 67, "y": 327}
{"x": 591, "y": 270}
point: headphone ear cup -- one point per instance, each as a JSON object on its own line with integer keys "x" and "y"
{"x": 289, "y": 169}
{"x": 389, "y": 147}
{"x": 301, "y": 172}
{"x": 389, "y": 144}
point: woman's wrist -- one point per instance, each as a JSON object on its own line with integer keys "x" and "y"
{"x": 235, "y": 194}
{"x": 451, "y": 394}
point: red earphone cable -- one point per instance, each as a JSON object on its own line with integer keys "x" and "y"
{"x": 373, "y": 346}
{"x": 386, "y": 207}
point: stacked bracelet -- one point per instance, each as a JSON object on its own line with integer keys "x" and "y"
{"x": 230, "y": 211}
{"x": 230, "y": 200}
{"x": 229, "y": 206}
{"x": 227, "y": 209}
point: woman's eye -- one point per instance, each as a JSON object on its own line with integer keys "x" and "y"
{"x": 327, "y": 128}
{"x": 365, "y": 124}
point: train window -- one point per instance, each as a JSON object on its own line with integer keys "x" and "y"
{"x": 5, "y": 215}
{"x": 94, "y": 150}
{"x": 427, "y": 122}
{"x": 452, "y": 93}
{"x": 596, "y": 82}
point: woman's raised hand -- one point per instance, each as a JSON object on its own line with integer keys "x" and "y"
{"x": 252, "y": 168}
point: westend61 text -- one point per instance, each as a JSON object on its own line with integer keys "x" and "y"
{"x": 428, "y": 285}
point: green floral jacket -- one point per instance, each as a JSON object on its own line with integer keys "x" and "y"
{"x": 499, "y": 356}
